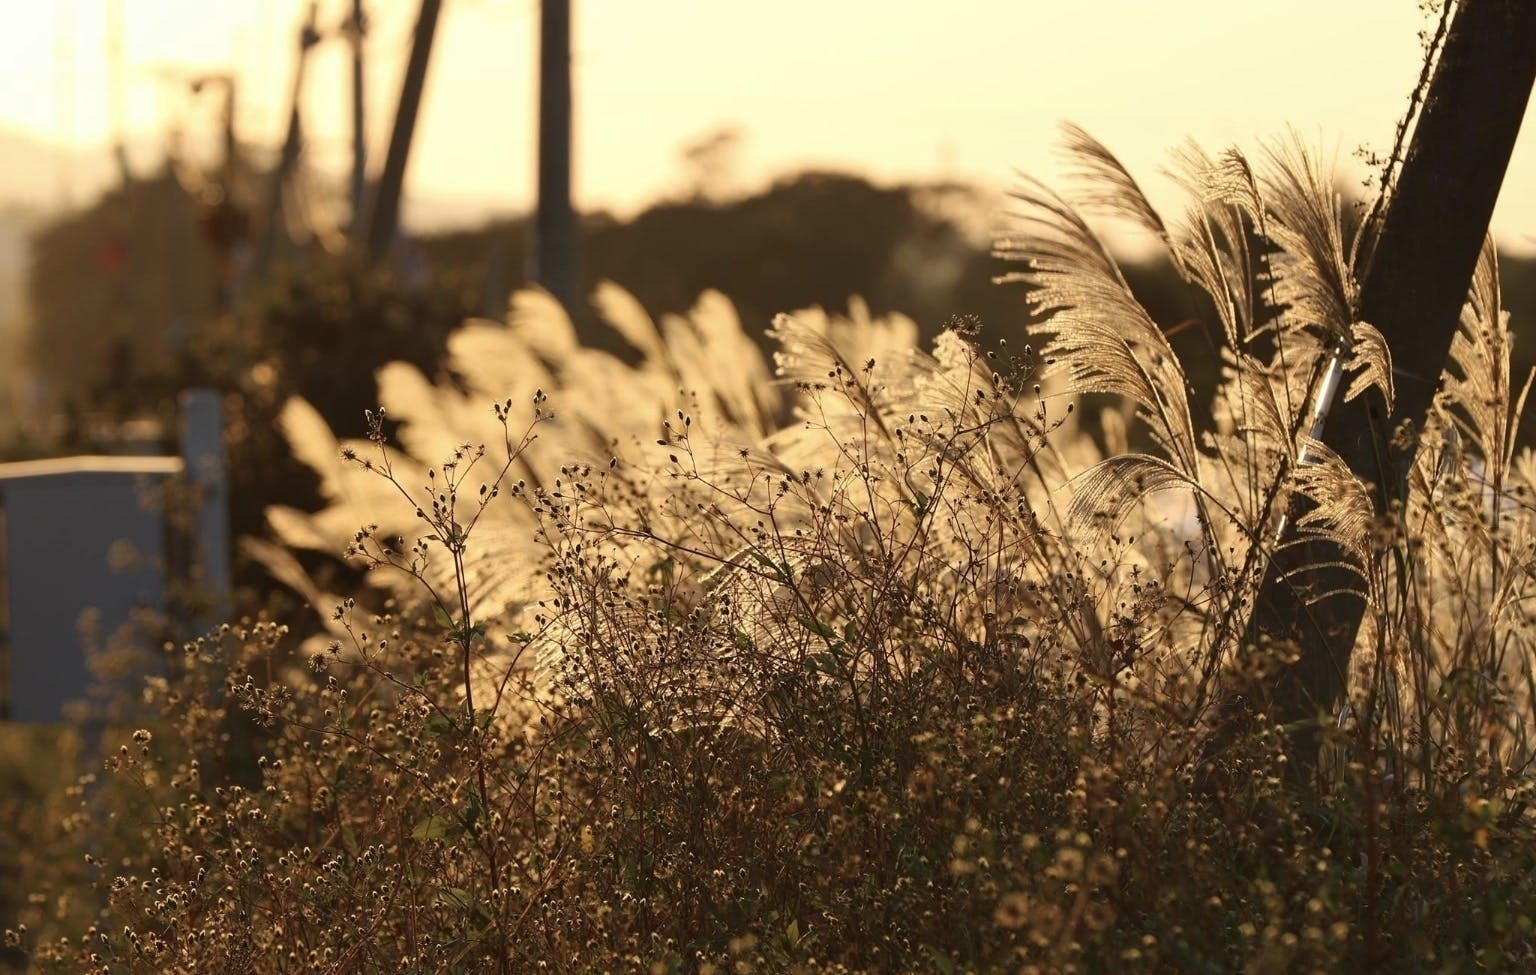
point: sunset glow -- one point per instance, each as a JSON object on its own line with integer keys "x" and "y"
{"x": 970, "y": 90}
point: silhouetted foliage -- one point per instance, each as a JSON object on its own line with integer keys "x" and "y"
{"x": 120, "y": 293}
{"x": 125, "y": 295}
{"x": 812, "y": 239}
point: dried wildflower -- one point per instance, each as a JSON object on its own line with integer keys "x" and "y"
{"x": 1012, "y": 911}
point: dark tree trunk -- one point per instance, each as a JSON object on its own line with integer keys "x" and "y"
{"x": 1412, "y": 289}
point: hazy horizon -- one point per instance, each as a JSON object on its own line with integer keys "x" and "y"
{"x": 970, "y": 93}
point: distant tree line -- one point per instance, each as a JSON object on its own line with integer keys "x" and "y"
{"x": 126, "y": 297}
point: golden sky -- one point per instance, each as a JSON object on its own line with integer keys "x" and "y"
{"x": 967, "y": 88}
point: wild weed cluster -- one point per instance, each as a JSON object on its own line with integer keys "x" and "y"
{"x": 925, "y": 677}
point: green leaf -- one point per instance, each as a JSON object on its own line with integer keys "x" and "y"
{"x": 443, "y": 619}
{"x": 817, "y": 627}
{"x": 440, "y": 724}
{"x": 823, "y": 663}
{"x": 435, "y": 827}
{"x": 920, "y": 507}
{"x": 779, "y": 569}
{"x": 472, "y": 814}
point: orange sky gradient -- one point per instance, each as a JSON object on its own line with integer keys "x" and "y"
{"x": 970, "y": 89}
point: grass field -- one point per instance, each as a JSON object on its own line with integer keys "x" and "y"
{"x": 868, "y": 658}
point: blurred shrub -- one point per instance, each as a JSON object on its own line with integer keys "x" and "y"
{"x": 323, "y": 329}
{"x": 118, "y": 294}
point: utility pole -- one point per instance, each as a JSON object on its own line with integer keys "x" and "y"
{"x": 225, "y": 223}
{"x": 115, "y": 89}
{"x": 357, "y": 28}
{"x": 293, "y": 143}
{"x": 1412, "y": 290}
{"x": 554, "y": 229}
{"x": 385, "y": 216}
{"x": 64, "y": 97}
